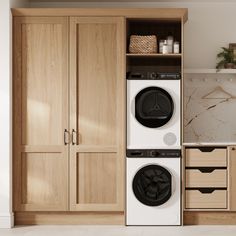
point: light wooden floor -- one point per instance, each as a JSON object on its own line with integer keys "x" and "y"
{"x": 120, "y": 231}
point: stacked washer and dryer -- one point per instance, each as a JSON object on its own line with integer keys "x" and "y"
{"x": 153, "y": 163}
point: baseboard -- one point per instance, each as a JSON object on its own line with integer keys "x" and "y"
{"x": 209, "y": 218}
{"x": 6, "y": 221}
{"x": 69, "y": 218}
{"x": 108, "y": 218}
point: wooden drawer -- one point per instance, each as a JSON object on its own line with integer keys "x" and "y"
{"x": 205, "y": 177}
{"x": 206, "y": 157}
{"x": 195, "y": 199}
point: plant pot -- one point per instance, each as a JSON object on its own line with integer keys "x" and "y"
{"x": 229, "y": 66}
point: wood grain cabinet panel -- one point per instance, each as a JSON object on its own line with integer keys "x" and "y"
{"x": 40, "y": 113}
{"x": 97, "y": 90}
{"x": 196, "y": 157}
{"x": 97, "y": 79}
{"x": 232, "y": 177}
{"x": 216, "y": 199}
{"x": 41, "y": 183}
{"x": 42, "y": 84}
{"x": 96, "y": 178}
{"x": 194, "y": 178}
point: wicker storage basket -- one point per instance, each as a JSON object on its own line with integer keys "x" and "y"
{"x": 143, "y": 44}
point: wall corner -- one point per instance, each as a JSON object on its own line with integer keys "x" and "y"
{"x": 6, "y": 221}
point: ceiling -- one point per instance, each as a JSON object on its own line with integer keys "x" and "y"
{"x": 201, "y": 1}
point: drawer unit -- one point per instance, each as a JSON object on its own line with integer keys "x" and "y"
{"x": 205, "y": 177}
{"x": 205, "y": 198}
{"x": 206, "y": 156}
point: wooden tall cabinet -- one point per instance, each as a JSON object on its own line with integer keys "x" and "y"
{"x": 69, "y": 122}
{"x": 97, "y": 98}
{"x": 69, "y": 92}
{"x": 40, "y": 113}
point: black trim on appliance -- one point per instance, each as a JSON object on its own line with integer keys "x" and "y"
{"x": 206, "y": 190}
{"x": 152, "y": 185}
{"x": 160, "y": 153}
{"x": 206, "y": 169}
{"x": 154, "y": 107}
{"x": 153, "y": 75}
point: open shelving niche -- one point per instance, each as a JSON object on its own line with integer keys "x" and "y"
{"x": 154, "y": 61}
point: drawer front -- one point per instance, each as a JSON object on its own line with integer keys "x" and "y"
{"x": 195, "y": 178}
{"x": 206, "y": 157}
{"x": 194, "y": 199}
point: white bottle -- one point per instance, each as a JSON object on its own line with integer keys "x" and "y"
{"x": 176, "y": 47}
{"x": 161, "y": 43}
{"x": 165, "y": 48}
{"x": 170, "y": 42}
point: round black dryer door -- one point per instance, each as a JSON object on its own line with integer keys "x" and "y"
{"x": 154, "y": 107}
{"x": 152, "y": 185}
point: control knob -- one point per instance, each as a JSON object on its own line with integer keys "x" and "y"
{"x": 153, "y": 75}
{"x": 154, "y": 153}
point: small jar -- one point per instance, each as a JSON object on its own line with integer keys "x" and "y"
{"x": 165, "y": 47}
{"x": 161, "y": 43}
{"x": 176, "y": 47}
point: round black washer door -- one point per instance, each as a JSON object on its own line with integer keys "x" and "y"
{"x": 152, "y": 185}
{"x": 154, "y": 107}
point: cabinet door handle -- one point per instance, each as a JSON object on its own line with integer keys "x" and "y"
{"x": 206, "y": 190}
{"x": 206, "y": 169}
{"x": 206, "y": 149}
{"x": 74, "y": 138}
{"x": 66, "y": 137}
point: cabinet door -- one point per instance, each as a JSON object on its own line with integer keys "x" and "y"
{"x": 232, "y": 177}
{"x": 40, "y": 113}
{"x": 97, "y": 90}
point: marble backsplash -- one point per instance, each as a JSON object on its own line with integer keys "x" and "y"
{"x": 210, "y": 108}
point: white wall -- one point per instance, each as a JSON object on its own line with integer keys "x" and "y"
{"x": 6, "y": 218}
{"x": 5, "y": 205}
{"x": 210, "y": 26}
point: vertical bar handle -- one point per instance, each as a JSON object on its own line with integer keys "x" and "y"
{"x": 74, "y": 138}
{"x": 66, "y": 137}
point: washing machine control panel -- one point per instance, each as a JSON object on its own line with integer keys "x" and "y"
{"x": 153, "y": 75}
{"x": 155, "y": 153}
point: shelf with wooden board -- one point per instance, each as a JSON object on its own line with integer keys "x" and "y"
{"x": 161, "y": 29}
{"x": 154, "y": 55}
{"x": 209, "y": 71}
{"x": 170, "y": 14}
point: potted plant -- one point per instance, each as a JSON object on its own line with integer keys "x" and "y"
{"x": 227, "y": 59}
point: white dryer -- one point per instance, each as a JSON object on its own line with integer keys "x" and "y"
{"x": 153, "y": 110}
{"x": 153, "y": 187}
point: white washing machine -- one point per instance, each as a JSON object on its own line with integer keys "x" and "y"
{"x": 153, "y": 110}
{"x": 153, "y": 187}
